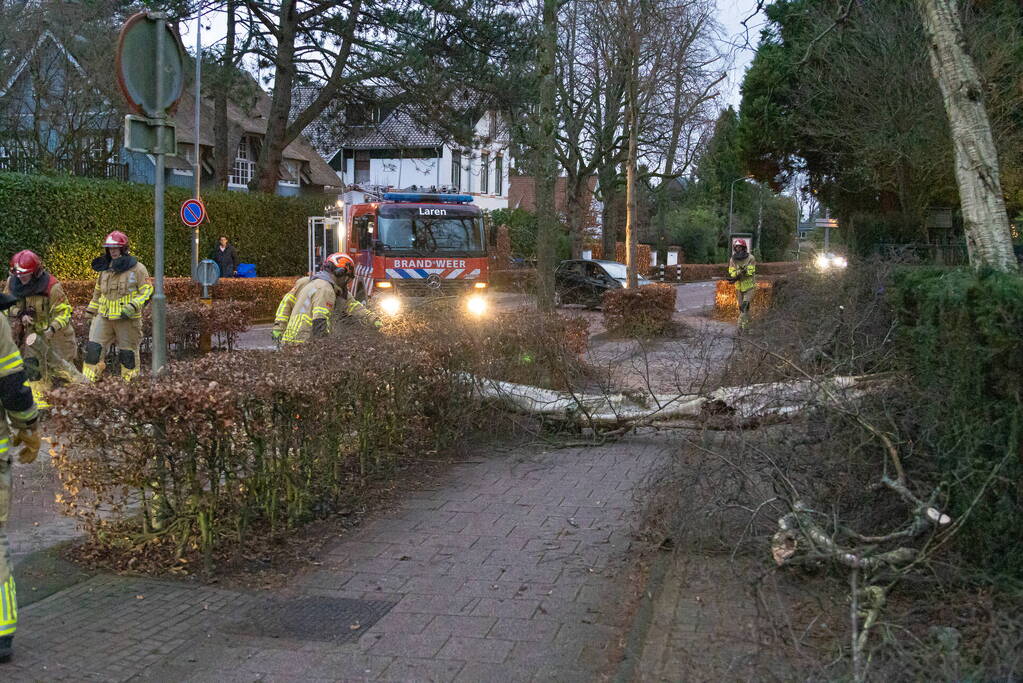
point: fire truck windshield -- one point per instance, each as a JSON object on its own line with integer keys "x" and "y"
{"x": 417, "y": 230}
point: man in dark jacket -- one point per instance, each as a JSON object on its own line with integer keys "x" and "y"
{"x": 225, "y": 257}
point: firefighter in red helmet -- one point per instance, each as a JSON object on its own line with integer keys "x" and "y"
{"x": 121, "y": 293}
{"x": 314, "y": 303}
{"x": 41, "y": 316}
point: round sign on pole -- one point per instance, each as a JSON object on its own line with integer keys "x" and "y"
{"x": 207, "y": 273}
{"x": 136, "y": 59}
{"x": 193, "y": 212}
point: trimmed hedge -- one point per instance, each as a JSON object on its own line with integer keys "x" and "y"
{"x": 642, "y": 311}
{"x": 65, "y": 219}
{"x": 726, "y": 303}
{"x": 695, "y": 272}
{"x": 961, "y": 335}
{"x": 261, "y": 293}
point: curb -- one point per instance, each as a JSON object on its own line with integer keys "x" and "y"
{"x": 636, "y": 640}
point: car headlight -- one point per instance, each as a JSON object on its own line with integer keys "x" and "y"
{"x": 476, "y": 305}
{"x": 390, "y": 305}
{"x": 823, "y": 262}
{"x": 839, "y": 262}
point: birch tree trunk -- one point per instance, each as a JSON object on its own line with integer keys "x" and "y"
{"x": 976, "y": 158}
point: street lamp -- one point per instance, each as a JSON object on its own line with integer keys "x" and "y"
{"x": 731, "y": 200}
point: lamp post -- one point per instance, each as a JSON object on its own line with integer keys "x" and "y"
{"x": 731, "y": 201}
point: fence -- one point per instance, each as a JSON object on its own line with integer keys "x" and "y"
{"x": 86, "y": 168}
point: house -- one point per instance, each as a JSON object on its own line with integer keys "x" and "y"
{"x": 60, "y": 110}
{"x": 388, "y": 148}
{"x": 303, "y": 170}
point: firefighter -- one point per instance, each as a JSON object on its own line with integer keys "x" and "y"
{"x": 284, "y": 309}
{"x": 742, "y": 270}
{"x": 314, "y": 302}
{"x": 18, "y": 417}
{"x": 42, "y": 307}
{"x": 122, "y": 291}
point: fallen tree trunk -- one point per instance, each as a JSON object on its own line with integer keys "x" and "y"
{"x": 754, "y": 403}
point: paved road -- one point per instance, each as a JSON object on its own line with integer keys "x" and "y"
{"x": 504, "y": 572}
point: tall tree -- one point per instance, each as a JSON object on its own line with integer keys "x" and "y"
{"x": 977, "y": 173}
{"x": 545, "y": 161}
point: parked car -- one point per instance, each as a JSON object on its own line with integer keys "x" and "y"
{"x": 584, "y": 281}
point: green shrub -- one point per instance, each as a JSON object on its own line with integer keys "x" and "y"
{"x": 65, "y": 220}
{"x": 522, "y": 229}
{"x": 696, "y": 232}
{"x": 961, "y": 337}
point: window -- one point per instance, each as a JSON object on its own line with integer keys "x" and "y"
{"x": 499, "y": 175}
{"x": 456, "y": 170}
{"x": 289, "y": 173}
{"x": 186, "y": 151}
{"x": 485, "y": 173}
{"x": 241, "y": 171}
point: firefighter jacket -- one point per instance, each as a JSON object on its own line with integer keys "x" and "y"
{"x": 16, "y": 398}
{"x": 287, "y": 303}
{"x": 44, "y": 299}
{"x": 743, "y": 272}
{"x": 314, "y": 306}
{"x": 122, "y": 289}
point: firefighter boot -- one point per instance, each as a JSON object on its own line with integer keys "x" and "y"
{"x": 39, "y": 389}
{"x": 6, "y": 648}
{"x": 93, "y": 364}
{"x": 129, "y": 364}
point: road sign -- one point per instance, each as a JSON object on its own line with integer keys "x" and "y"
{"x": 136, "y": 56}
{"x": 193, "y": 212}
{"x": 142, "y": 135}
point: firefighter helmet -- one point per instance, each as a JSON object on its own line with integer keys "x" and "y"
{"x": 116, "y": 239}
{"x": 26, "y": 263}
{"x": 339, "y": 263}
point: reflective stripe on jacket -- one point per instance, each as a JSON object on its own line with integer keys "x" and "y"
{"x": 746, "y": 271}
{"x": 314, "y": 301}
{"x": 287, "y": 303}
{"x": 15, "y": 396}
{"x": 115, "y": 292}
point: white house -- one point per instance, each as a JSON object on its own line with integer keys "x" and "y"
{"x": 392, "y": 151}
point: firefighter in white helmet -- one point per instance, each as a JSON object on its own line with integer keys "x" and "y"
{"x": 314, "y": 303}
{"x": 122, "y": 291}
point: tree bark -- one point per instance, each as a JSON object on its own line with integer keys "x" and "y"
{"x": 986, "y": 223}
{"x": 272, "y": 151}
{"x": 632, "y": 121}
{"x": 221, "y": 148}
{"x": 546, "y": 163}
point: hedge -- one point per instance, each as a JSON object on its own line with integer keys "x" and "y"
{"x": 726, "y": 303}
{"x": 262, "y": 293}
{"x": 694, "y": 272}
{"x": 642, "y": 311}
{"x": 65, "y": 219}
{"x": 960, "y": 335}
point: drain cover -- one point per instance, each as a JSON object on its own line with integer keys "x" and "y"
{"x": 338, "y": 620}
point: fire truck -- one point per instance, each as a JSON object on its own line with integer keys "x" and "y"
{"x": 407, "y": 246}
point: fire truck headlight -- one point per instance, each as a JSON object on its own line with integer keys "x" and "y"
{"x": 823, "y": 262}
{"x": 390, "y": 305}
{"x": 476, "y": 305}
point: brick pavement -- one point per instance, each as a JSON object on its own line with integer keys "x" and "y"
{"x": 506, "y": 572}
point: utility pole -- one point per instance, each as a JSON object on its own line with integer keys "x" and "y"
{"x": 159, "y": 298}
{"x": 196, "y": 166}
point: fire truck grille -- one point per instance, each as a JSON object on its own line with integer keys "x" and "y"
{"x": 423, "y": 288}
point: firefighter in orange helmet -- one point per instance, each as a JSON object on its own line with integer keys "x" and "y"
{"x": 314, "y": 303}
{"x": 121, "y": 292}
{"x": 42, "y": 308}
{"x": 283, "y": 314}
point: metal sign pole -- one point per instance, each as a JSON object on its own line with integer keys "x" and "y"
{"x": 198, "y": 101}
{"x": 159, "y": 300}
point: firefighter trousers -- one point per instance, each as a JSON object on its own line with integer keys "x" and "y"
{"x": 102, "y": 333}
{"x": 745, "y": 300}
{"x": 48, "y": 359}
{"x": 8, "y": 603}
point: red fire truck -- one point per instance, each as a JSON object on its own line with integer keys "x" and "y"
{"x": 414, "y": 245}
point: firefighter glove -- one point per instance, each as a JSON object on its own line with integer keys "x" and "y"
{"x": 128, "y": 311}
{"x": 276, "y": 334}
{"x": 48, "y": 332}
{"x": 29, "y": 441}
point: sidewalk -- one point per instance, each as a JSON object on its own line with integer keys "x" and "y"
{"x": 506, "y": 572}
